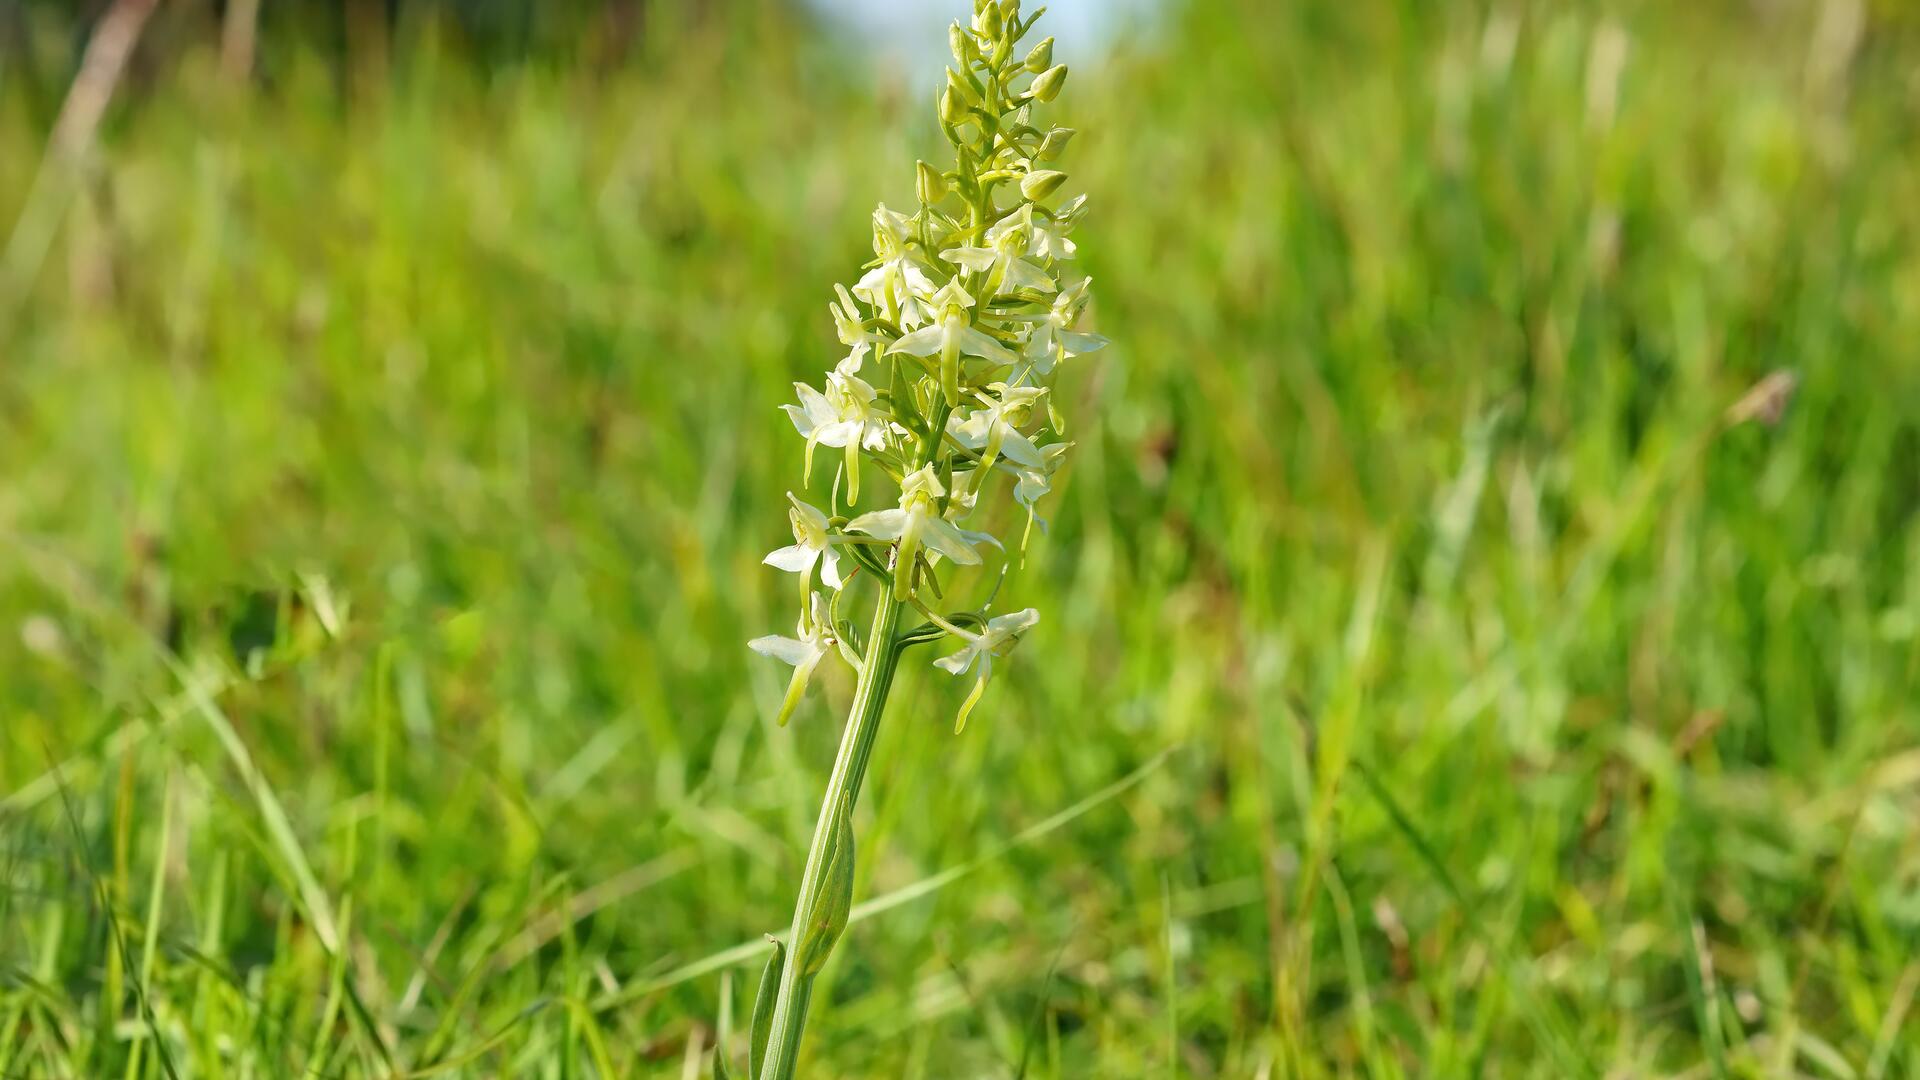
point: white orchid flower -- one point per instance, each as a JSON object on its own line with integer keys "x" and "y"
{"x": 843, "y": 417}
{"x": 897, "y": 287}
{"x": 1005, "y": 263}
{"x": 804, "y": 652}
{"x": 950, "y": 336}
{"x": 1033, "y": 483}
{"x": 913, "y": 524}
{"x": 995, "y": 429}
{"x": 813, "y": 544}
{"x": 1053, "y": 337}
{"x": 997, "y": 639}
{"x": 853, "y": 331}
{"x": 1044, "y": 239}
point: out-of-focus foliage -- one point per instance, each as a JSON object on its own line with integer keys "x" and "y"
{"x": 374, "y": 566}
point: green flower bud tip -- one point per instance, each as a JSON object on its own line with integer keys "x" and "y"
{"x": 1046, "y": 86}
{"x": 1041, "y": 57}
{"x": 961, "y": 44}
{"x": 928, "y": 183}
{"x": 953, "y": 109}
{"x": 1055, "y": 142}
{"x": 958, "y": 83}
{"x": 988, "y": 21}
{"x": 1041, "y": 183}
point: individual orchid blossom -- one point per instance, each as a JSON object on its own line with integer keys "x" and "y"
{"x": 1032, "y": 483}
{"x": 1005, "y": 264}
{"x": 913, "y": 523}
{"x": 994, "y": 428}
{"x": 1050, "y": 235}
{"x": 813, "y": 543}
{"x": 842, "y": 417}
{"x": 1045, "y": 238}
{"x": 1054, "y": 338}
{"x": 897, "y": 285}
{"x": 805, "y": 652}
{"x": 950, "y": 336}
{"x": 853, "y": 333}
{"x": 997, "y": 639}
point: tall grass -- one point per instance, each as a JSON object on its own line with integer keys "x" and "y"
{"x": 370, "y": 690}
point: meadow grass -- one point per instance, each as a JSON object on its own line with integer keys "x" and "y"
{"x": 1438, "y": 679}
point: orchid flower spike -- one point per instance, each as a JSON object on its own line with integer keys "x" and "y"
{"x": 968, "y": 305}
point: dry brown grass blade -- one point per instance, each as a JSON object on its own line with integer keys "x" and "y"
{"x": 101, "y": 69}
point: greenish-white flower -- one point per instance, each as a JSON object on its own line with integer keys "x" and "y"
{"x": 916, "y": 522}
{"x": 1044, "y": 238}
{"x": 951, "y": 336}
{"x": 994, "y": 429}
{"x": 1031, "y": 484}
{"x": 1054, "y": 338}
{"x": 813, "y": 544}
{"x": 997, "y": 639}
{"x": 853, "y": 331}
{"x": 804, "y": 652}
{"x": 1005, "y": 263}
{"x": 843, "y": 417}
{"x": 898, "y": 285}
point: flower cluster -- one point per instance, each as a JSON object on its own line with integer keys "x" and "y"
{"x": 964, "y": 311}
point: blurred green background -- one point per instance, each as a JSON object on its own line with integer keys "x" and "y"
{"x": 1459, "y": 657}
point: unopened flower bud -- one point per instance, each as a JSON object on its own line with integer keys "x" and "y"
{"x": 1041, "y": 57}
{"x": 988, "y": 21}
{"x": 953, "y": 110}
{"x": 929, "y": 184}
{"x": 958, "y": 83}
{"x": 961, "y": 43}
{"x": 1041, "y": 183}
{"x": 1046, "y": 86}
{"x": 1054, "y": 143}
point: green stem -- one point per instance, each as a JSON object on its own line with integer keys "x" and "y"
{"x": 843, "y": 790}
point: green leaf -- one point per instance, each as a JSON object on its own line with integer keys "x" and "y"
{"x": 870, "y": 562}
{"x": 828, "y": 919}
{"x": 763, "y": 1008}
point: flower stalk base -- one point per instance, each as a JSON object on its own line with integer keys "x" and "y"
{"x": 814, "y": 932}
